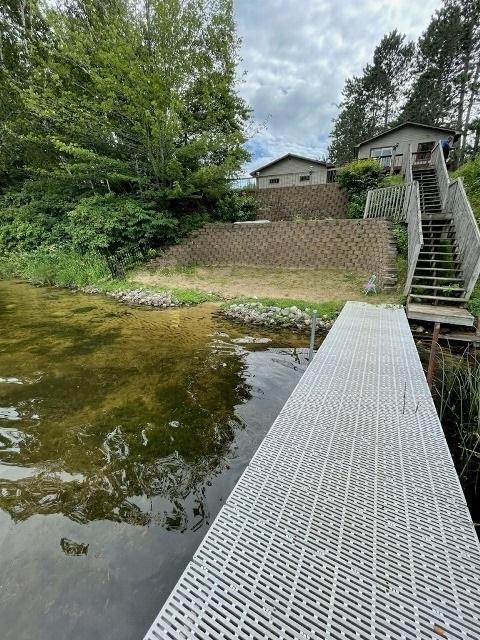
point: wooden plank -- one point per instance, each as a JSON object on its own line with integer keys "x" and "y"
{"x": 439, "y": 313}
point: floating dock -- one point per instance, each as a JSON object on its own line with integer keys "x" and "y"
{"x": 349, "y": 523}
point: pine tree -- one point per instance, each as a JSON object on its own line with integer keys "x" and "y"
{"x": 445, "y": 90}
{"x": 371, "y": 101}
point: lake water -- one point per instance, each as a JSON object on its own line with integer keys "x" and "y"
{"x": 122, "y": 432}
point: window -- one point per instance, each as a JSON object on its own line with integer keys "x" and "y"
{"x": 425, "y": 146}
{"x": 383, "y": 155}
{"x": 274, "y": 181}
{"x": 424, "y": 150}
{"x": 304, "y": 178}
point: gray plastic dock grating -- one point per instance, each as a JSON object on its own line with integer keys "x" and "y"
{"x": 349, "y": 523}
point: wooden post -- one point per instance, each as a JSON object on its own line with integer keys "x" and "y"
{"x": 433, "y": 353}
{"x": 477, "y": 330}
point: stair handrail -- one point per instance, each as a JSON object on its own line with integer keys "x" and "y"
{"x": 438, "y": 161}
{"x": 415, "y": 233}
{"x": 407, "y": 168}
{"x": 467, "y": 233}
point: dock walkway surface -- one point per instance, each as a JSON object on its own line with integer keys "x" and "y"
{"x": 349, "y": 523}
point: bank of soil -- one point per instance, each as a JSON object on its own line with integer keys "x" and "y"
{"x": 264, "y": 282}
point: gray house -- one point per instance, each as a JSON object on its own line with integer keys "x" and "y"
{"x": 390, "y": 146}
{"x": 291, "y": 170}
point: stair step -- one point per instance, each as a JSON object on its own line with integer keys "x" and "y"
{"x": 437, "y": 269}
{"x": 455, "y": 264}
{"x": 442, "y": 298}
{"x": 442, "y": 278}
{"x": 439, "y": 246}
{"x": 432, "y": 287}
{"x": 437, "y": 227}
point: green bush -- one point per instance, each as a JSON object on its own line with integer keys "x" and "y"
{"x": 33, "y": 216}
{"x": 470, "y": 172}
{"x": 111, "y": 222}
{"x": 400, "y": 233}
{"x": 235, "y": 206}
{"x": 356, "y": 178}
{"x": 356, "y": 205}
{"x": 474, "y": 302}
{"x": 359, "y": 176}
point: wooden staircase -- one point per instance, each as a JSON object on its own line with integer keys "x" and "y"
{"x": 443, "y": 264}
{"x": 437, "y": 278}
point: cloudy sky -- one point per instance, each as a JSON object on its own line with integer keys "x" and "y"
{"x": 297, "y": 54}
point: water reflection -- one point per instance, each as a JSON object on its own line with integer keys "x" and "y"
{"x": 122, "y": 431}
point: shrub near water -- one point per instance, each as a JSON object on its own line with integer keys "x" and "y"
{"x": 110, "y": 222}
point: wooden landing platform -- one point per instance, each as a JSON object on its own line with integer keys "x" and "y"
{"x": 439, "y": 313}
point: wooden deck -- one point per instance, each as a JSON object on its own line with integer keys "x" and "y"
{"x": 440, "y": 313}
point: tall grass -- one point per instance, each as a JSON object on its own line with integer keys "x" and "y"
{"x": 56, "y": 267}
{"x": 456, "y": 391}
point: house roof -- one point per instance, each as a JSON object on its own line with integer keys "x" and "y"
{"x": 408, "y": 123}
{"x": 292, "y": 155}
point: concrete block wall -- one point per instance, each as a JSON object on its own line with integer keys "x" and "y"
{"x": 361, "y": 245}
{"x": 313, "y": 202}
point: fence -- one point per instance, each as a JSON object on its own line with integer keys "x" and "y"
{"x": 275, "y": 181}
{"x": 467, "y": 233}
{"x": 415, "y": 234}
{"x": 389, "y": 202}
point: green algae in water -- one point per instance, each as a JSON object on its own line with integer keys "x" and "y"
{"x": 122, "y": 432}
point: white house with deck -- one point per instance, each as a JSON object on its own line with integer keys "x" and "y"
{"x": 292, "y": 170}
{"x": 390, "y": 146}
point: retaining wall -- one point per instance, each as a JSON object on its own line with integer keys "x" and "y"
{"x": 315, "y": 202}
{"x": 360, "y": 245}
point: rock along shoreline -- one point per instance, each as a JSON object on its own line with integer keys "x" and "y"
{"x": 274, "y": 317}
{"x": 250, "y": 313}
{"x": 162, "y": 300}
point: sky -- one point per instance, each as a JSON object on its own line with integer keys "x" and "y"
{"x": 296, "y": 55}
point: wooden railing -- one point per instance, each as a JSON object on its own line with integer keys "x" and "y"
{"x": 438, "y": 161}
{"x": 275, "y": 181}
{"x": 421, "y": 157}
{"x": 389, "y": 202}
{"x": 467, "y": 233}
{"x": 407, "y": 165}
{"x": 415, "y": 234}
{"x": 391, "y": 161}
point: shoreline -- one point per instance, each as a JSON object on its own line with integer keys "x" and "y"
{"x": 284, "y": 316}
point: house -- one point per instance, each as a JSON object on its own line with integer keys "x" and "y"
{"x": 390, "y": 146}
{"x": 292, "y": 170}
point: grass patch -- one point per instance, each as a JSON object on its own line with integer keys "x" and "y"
{"x": 329, "y": 308}
{"x": 175, "y": 270}
{"x": 474, "y": 302}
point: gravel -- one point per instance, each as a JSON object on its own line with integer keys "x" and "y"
{"x": 257, "y": 313}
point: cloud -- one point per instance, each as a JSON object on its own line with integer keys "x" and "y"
{"x": 297, "y": 56}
